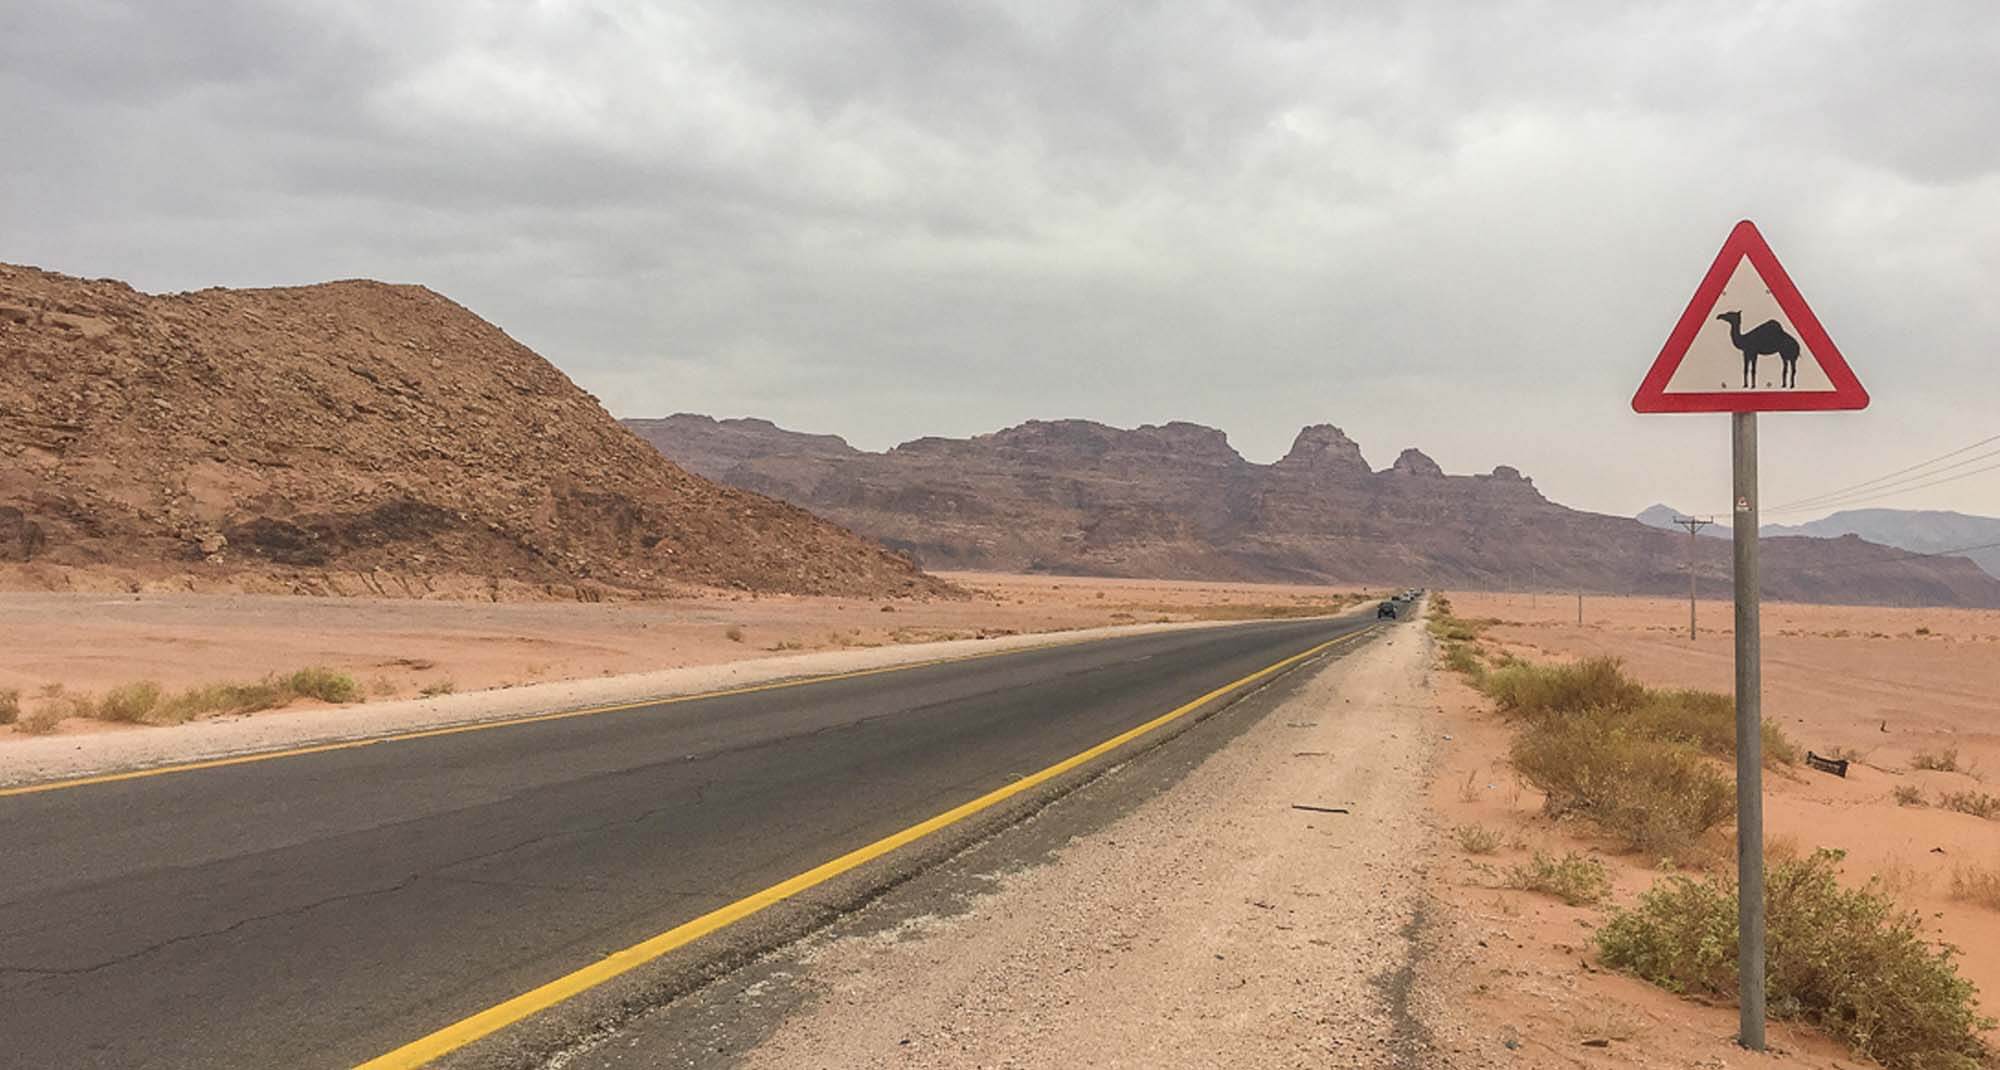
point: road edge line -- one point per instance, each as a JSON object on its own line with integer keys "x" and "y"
{"x": 465, "y": 1031}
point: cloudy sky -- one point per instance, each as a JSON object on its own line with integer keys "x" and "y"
{"x": 1465, "y": 227}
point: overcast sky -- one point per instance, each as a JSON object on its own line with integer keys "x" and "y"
{"x": 1465, "y": 227}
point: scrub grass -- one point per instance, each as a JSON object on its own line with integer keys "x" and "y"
{"x": 10, "y": 705}
{"x": 1939, "y": 761}
{"x": 1477, "y": 839}
{"x": 1574, "y": 879}
{"x": 1978, "y": 885}
{"x": 1976, "y": 803}
{"x": 145, "y": 702}
{"x": 1849, "y": 961}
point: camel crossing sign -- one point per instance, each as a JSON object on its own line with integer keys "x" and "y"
{"x": 1748, "y": 343}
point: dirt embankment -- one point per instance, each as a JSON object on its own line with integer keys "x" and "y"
{"x": 353, "y": 438}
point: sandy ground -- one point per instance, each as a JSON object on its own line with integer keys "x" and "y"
{"x": 1214, "y": 925}
{"x": 1864, "y": 679}
{"x": 397, "y": 648}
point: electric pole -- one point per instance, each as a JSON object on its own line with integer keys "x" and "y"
{"x": 1693, "y": 524}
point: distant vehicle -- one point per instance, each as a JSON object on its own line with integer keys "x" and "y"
{"x": 1386, "y": 609}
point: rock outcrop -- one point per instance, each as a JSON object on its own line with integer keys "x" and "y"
{"x": 353, "y": 437}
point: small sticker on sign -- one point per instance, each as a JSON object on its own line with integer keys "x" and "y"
{"x": 1742, "y": 505}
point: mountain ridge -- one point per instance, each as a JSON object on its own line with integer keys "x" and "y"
{"x": 1174, "y": 500}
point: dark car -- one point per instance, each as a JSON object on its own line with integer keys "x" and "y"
{"x": 1386, "y": 609}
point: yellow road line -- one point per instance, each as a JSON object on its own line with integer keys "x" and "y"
{"x": 501, "y": 1015}
{"x": 507, "y": 722}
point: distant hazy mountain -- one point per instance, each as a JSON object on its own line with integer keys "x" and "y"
{"x": 1923, "y": 531}
{"x": 1662, "y": 517}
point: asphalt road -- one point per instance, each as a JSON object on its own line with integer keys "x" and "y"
{"x": 320, "y": 910}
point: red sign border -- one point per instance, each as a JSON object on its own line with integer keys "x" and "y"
{"x": 1745, "y": 241}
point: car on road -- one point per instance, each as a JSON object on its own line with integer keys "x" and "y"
{"x": 1386, "y": 609}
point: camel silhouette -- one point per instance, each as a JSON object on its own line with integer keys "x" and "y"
{"x": 1766, "y": 337}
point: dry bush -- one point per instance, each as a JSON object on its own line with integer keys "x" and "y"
{"x": 10, "y": 705}
{"x": 1978, "y": 885}
{"x": 1976, "y": 803}
{"x": 1909, "y": 795}
{"x": 1657, "y": 796}
{"x": 1942, "y": 761}
{"x": 1533, "y": 692}
{"x": 734, "y": 633}
{"x": 436, "y": 688}
{"x": 1574, "y": 879}
{"x": 129, "y": 703}
{"x": 1847, "y": 960}
{"x": 322, "y": 683}
{"x": 1464, "y": 658}
{"x": 1477, "y": 839}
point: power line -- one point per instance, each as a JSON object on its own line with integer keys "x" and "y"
{"x": 1871, "y": 496}
{"x": 1841, "y": 492}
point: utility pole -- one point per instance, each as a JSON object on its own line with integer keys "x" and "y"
{"x": 1693, "y": 524}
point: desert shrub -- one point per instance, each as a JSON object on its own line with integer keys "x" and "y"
{"x": 1847, "y": 960}
{"x": 734, "y": 633}
{"x": 1706, "y": 720}
{"x": 10, "y": 705}
{"x": 211, "y": 699}
{"x": 323, "y": 684}
{"x": 1574, "y": 879}
{"x": 1462, "y": 658}
{"x": 1477, "y": 839}
{"x": 1909, "y": 795}
{"x": 1941, "y": 761}
{"x": 1656, "y": 795}
{"x": 1532, "y": 691}
{"x": 1977, "y": 885}
{"x": 129, "y": 703}
{"x": 436, "y": 688}
{"x": 1976, "y": 803}
{"x": 58, "y": 703}
{"x": 1440, "y": 605}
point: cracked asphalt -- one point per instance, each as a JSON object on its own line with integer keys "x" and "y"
{"x": 319, "y": 910}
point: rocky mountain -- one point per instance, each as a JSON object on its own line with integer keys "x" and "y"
{"x": 1922, "y": 531}
{"x": 353, "y": 437}
{"x": 1176, "y": 500}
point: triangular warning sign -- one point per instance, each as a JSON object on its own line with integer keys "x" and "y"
{"x": 1748, "y": 343}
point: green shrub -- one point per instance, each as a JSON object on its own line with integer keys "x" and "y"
{"x": 1532, "y": 691}
{"x": 1846, "y": 960}
{"x": 10, "y": 705}
{"x": 1574, "y": 879}
{"x": 1463, "y": 658}
{"x": 1477, "y": 839}
{"x": 1707, "y": 720}
{"x": 129, "y": 703}
{"x": 1657, "y": 796}
{"x": 323, "y": 684}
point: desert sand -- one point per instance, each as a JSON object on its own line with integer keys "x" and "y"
{"x": 1883, "y": 684}
{"x": 396, "y": 648}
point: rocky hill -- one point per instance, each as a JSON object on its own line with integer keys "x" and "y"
{"x": 1176, "y": 500}
{"x": 353, "y": 437}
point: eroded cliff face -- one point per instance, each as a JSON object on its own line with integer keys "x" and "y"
{"x": 1177, "y": 501}
{"x": 353, "y": 437}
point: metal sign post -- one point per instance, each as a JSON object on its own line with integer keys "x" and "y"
{"x": 1749, "y": 737}
{"x": 1784, "y": 362}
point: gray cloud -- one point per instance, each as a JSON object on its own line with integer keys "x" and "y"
{"x": 1465, "y": 227}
